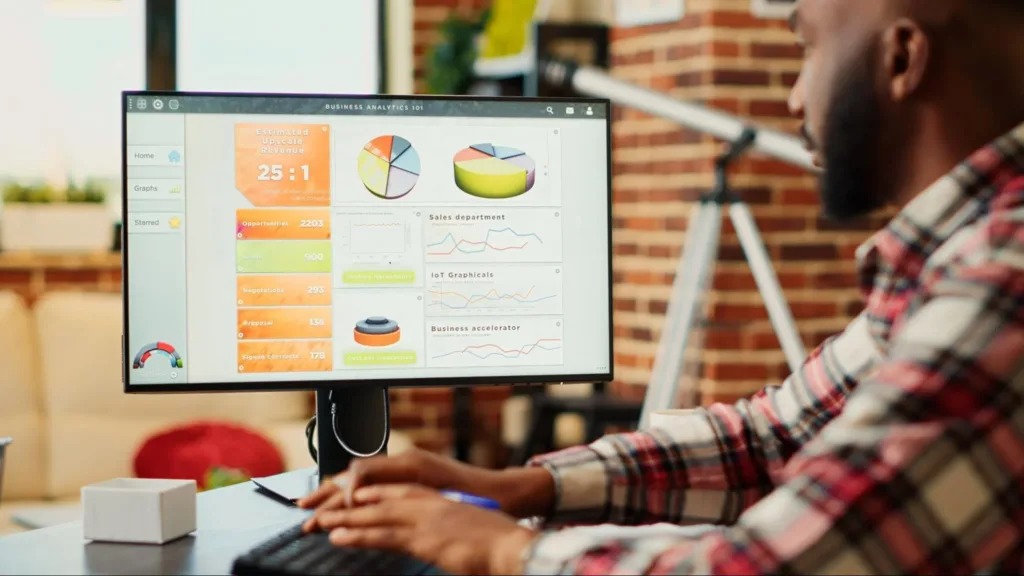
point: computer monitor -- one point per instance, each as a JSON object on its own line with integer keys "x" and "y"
{"x": 281, "y": 242}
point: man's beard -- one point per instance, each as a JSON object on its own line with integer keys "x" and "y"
{"x": 849, "y": 185}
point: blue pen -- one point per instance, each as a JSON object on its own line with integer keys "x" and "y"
{"x": 478, "y": 501}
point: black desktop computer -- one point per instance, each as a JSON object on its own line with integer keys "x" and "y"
{"x": 350, "y": 244}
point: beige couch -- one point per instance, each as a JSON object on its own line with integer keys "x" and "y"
{"x": 61, "y": 400}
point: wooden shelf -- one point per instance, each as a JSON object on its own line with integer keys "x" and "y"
{"x": 67, "y": 261}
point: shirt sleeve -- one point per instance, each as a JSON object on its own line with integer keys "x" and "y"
{"x": 711, "y": 463}
{"x": 921, "y": 473}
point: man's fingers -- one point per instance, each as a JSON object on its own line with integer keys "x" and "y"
{"x": 381, "y": 492}
{"x": 391, "y": 513}
{"x": 390, "y": 538}
{"x": 327, "y": 488}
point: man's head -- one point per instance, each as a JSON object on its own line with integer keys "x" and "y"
{"x": 891, "y": 90}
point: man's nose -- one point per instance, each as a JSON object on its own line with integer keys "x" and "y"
{"x": 796, "y": 98}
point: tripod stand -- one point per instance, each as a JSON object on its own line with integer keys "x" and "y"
{"x": 697, "y": 267}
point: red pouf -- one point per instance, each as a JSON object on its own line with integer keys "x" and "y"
{"x": 189, "y": 452}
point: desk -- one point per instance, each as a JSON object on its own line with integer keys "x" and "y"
{"x": 229, "y": 520}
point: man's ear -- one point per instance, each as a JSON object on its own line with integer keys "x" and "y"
{"x": 905, "y": 58}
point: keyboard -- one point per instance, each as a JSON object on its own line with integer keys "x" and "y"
{"x": 293, "y": 553}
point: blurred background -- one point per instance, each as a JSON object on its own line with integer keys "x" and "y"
{"x": 64, "y": 63}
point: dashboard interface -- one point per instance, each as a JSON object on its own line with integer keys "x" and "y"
{"x": 275, "y": 241}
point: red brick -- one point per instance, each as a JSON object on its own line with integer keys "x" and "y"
{"x": 781, "y": 224}
{"x": 788, "y": 79}
{"x": 642, "y": 334}
{"x": 624, "y": 305}
{"x": 625, "y": 249}
{"x": 808, "y": 252}
{"x": 407, "y": 420}
{"x": 723, "y": 339}
{"x": 730, "y": 19}
{"x": 644, "y": 223}
{"x": 657, "y": 307}
{"x": 731, "y": 253}
{"x": 723, "y": 371}
{"x": 800, "y": 197}
{"x": 853, "y": 309}
{"x": 770, "y": 109}
{"x": 683, "y": 51}
{"x": 711, "y": 399}
{"x": 855, "y": 225}
{"x": 788, "y": 51}
{"x": 730, "y": 105}
{"x": 491, "y": 394}
{"x": 724, "y": 49}
{"x": 812, "y": 310}
{"x": 644, "y": 57}
{"x": 627, "y": 360}
{"x": 630, "y": 392}
{"x": 728, "y": 312}
{"x": 836, "y": 280}
{"x": 763, "y": 341}
{"x": 694, "y": 78}
{"x": 662, "y": 251}
{"x": 793, "y": 281}
{"x": 734, "y": 281}
{"x": 740, "y": 78}
{"x": 431, "y": 395}
{"x": 754, "y": 196}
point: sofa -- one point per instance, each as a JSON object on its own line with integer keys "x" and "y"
{"x": 61, "y": 400}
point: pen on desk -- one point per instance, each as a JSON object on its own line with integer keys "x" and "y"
{"x": 478, "y": 501}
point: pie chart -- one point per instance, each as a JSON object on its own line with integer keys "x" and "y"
{"x": 495, "y": 172}
{"x": 389, "y": 167}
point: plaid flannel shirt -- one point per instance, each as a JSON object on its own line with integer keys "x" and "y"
{"x": 897, "y": 448}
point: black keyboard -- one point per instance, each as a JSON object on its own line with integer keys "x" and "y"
{"x": 293, "y": 553}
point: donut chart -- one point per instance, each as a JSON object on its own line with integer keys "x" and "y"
{"x": 494, "y": 172}
{"x": 389, "y": 167}
{"x": 162, "y": 348}
{"x": 377, "y": 331}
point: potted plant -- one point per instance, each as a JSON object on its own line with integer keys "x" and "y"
{"x": 42, "y": 218}
{"x": 449, "y": 67}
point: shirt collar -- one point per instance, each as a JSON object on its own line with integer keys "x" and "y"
{"x": 897, "y": 253}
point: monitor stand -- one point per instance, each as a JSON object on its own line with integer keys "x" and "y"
{"x": 352, "y": 422}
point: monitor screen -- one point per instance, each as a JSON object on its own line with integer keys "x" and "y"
{"x": 292, "y": 241}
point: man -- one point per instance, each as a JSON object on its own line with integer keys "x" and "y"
{"x": 899, "y": 445}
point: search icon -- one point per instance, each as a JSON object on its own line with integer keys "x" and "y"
{"x": 551, "y": 110}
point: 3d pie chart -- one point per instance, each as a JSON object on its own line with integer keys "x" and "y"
{"x": 389, "y": 167}
{"x": 495, "y": 172}
{"x": 377, "y": 331}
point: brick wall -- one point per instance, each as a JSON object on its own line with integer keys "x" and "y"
{"x": 721, "y": 55}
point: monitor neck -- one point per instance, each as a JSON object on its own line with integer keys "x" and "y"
{"x": 352, "y": 422}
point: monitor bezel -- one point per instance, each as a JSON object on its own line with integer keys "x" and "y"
{"x": 314, "y": 385}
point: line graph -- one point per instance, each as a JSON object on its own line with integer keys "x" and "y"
{"x": 382, "y": 238}
{"x": 379, "y": 248}
{"x": 520, "y": 341}
{"x": 500, "y": 291}
{"x": 475, "y": 247}
{"x": 518, "y": 235}
{"x": 485, "y": 351}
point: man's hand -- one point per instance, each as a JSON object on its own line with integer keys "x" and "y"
{"x": 521, "y": 492}
{"x": 458, "y": 538}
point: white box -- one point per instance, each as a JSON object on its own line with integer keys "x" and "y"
{"x": 139, "y": 511}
